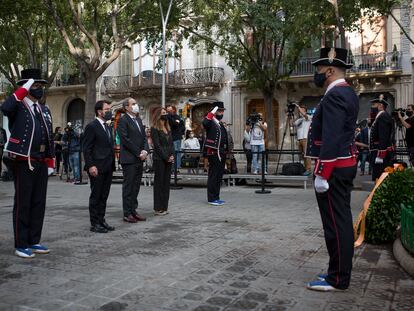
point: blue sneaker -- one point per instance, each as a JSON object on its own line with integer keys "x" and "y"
{"x": 221, "y": 201}
{"x": 24, "y": 252}
{"x": 216, "y": 203}
{"x": 322, "y": 276}
{"x": 321, "y": 286}
{"x": 39, "y": 249}
{"x": 307, "y": 173}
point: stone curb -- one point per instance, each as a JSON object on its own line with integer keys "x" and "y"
{"x": 404, "y": 258}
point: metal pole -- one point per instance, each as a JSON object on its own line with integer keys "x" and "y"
{"x": 164, "y": 20}
{"x": 263, "y": 191}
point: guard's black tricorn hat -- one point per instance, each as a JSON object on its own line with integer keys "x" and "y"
{"x": 336, "y": 57}
{"x": 380, "y": 100}
{"x": 220, "y": 105}
{"x": 32, "y": 73}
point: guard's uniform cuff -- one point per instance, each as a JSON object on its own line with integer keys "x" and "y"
{"x": 20, "y": 93}
{"x": 382, "y": 153}
{"x": 50, "y": 163}
{"x": 210, "y": 116}
{"x": 324, "y": 169}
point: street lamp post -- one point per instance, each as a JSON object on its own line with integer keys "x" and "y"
{"x": 164, "y": 30}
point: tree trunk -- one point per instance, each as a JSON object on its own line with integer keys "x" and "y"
{"x": 91, "y": 79}
{"x": 268, "y": 104}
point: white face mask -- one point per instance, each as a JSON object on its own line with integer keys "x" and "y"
{"x": 135, "y": 108}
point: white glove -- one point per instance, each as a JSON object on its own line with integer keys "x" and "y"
{"x": 321, "y": 184}
{"x": 28, "y": 84}
{"x": 49, "y": 169}
{"x": 378, "y": 160}
{"x": 214, "y": 109}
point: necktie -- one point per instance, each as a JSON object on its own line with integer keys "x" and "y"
{"x": 136, "y": 122}
{"x": 37, "y": 112}
{"x": 108, "y": 131}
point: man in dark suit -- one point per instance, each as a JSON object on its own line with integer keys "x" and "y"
{"x": 98, "y": 151}
{"x": 134, "y": 151}
{"x": 331, "y": 143}
{"x": 381, "y": 137}
{"x": 30, "y": 151}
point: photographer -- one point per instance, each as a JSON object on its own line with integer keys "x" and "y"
{"x": 71, "y": 139}
{"x": 302, "y": 125}
{"x": 409, "y": 134}
{"x": 257, "y": 142}
{"x": 246, "y": 146}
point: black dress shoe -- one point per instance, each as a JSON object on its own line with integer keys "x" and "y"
{"x": 98, "y": 228}
{"x": 106, "y": 226}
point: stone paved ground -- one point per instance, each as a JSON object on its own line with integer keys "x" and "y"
{"x": 256, "y": 253}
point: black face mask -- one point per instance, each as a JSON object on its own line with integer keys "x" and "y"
{"x": 164, "y": 117}
{"x": 36, "y": 93}
{"x": 374, "y": 110}
{"x": 409, "y": 114}
{"x": 319, "y": 79}
{"x": 219, "y": 116}
{"x": 107, "y": 115}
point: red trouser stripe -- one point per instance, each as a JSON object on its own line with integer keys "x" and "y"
{"x": 337, "y": 238}
{"x": 17, "y": 205}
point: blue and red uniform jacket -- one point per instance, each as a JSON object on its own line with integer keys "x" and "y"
{"x": 331, "y": 138}
{"x": 382, "y": 135}
{"x": 22, "y": 126}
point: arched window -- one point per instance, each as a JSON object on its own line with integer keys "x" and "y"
{"x": 76, "y": 112}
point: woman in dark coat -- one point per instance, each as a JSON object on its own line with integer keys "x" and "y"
{"x": 163, "y": 158}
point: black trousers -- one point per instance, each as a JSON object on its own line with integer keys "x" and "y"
{"x": 29, "y": 202}
{"x": 162, "y": 179}
{"x": 249, "y": 159}
{"x": 58, "y": 160}
{"x": 130, "y": 187}
{"x": 215, "y": 176}
{"x": 100, "y": 187}
{"x": 378, "y": 169}
{"x": 1, "y": 160}
{"x": 335, "y": 210}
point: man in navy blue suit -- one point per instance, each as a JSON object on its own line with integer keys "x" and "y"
{"x": 331, "y": 143}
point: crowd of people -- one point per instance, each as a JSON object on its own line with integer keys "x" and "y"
{"x": 329, "y": 137}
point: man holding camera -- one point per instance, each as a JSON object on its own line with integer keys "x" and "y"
{"x": 408, "y": 123}
{"x": 302, "y": 125}
{"x": 381, "y": 137}
{"x": 257, "y": 142}
{"x": 177, "y": 131}
{"x": 71, "y": 139}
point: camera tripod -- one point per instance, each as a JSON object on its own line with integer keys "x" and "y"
{"x": 289, "y": 126}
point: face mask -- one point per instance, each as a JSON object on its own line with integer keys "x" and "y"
{"x": 107, "y": 115}
{"x": 191, "y": 135}
{"x": 37, "y": 93}
{"x": 319, "y": 79}
{"x": 135, "y": 108}
{"x": 164, "y": 117}
{"x": 219, "y": 116}
{"x": 409, "y": 113}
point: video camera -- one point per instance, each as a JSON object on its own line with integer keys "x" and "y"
{"x": 394, "y": 113}
{"x": 253, "y": 118}
{"x": 291, "y": 105}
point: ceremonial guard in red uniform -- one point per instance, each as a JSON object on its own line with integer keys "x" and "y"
{"x": 30, "y": 152}
{"x": 381, "y": 137}
{"x": 216, "y": 147}
{"x": 331, "y": 143}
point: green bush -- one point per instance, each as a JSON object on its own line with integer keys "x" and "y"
{"x": 383, "y": 215}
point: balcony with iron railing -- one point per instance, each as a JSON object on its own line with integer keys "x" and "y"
{"x": 362, "y": 64}
{"x": 183, "y": 78}
{"x": 68, "y": 79}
